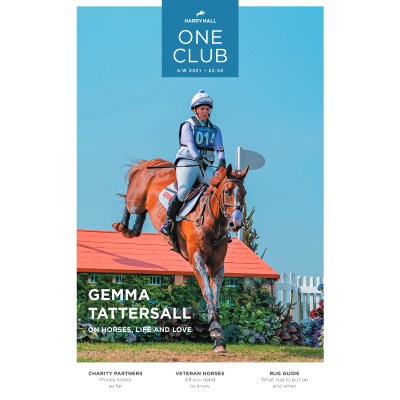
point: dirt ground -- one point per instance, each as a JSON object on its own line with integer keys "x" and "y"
{"x": 188, "y": 352}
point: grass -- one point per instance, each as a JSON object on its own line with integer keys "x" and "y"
{"x": 193, "y": 352}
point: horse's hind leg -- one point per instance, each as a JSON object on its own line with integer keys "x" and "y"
{"x": 138, "y": 225}
{"x": 123, "y": 226}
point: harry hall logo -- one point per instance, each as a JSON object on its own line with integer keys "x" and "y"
{"x": 198, "y": 20}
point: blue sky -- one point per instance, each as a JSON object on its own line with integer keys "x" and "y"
{"x": 126, "y": 111}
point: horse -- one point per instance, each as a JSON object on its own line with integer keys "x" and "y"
{"x": 200, "y": 13}
{"x": 201, "y": 236}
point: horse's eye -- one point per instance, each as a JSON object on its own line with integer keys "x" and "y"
{"x": 228, "y": 192}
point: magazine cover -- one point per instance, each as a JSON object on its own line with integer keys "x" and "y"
{"x": 100, "y": 306}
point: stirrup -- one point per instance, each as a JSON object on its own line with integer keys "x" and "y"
{"x": 167, "y": 227}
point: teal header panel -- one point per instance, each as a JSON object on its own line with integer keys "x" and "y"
{"x": 200, "y": 38}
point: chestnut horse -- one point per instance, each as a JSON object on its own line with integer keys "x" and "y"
{"x": 202, "y": 236}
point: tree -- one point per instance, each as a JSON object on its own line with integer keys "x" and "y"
{"x": 249, "y": 233}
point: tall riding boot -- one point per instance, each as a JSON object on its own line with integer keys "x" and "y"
{"x": 173, "y": 208}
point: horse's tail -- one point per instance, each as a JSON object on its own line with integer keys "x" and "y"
{"x": 138, "y": 165}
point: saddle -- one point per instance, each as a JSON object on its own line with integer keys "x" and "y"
{"x": 190, "y": 201}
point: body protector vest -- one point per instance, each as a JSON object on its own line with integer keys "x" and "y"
{"x": 203, "y": 138}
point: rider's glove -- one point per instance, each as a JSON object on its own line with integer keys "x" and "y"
{"x": 201, "y": 162}
{"x": 222, "y": 163}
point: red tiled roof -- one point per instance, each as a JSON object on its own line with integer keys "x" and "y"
{"x": 110, "y": 252}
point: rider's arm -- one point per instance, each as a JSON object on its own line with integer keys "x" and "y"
{"x": 188, "y": 140}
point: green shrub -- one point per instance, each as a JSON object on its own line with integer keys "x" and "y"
{"x": 252, "y": 312}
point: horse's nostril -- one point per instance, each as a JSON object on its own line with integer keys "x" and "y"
{"x": 231, "y": 224}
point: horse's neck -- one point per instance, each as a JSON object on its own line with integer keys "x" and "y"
{"x": 213, "y": 208}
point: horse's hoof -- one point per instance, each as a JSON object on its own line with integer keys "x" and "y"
{"x": 130, "y": 234}
{"x": 220, "y": 349}
{"x": 219, "y": 345}
{"x": 118, "y": 226}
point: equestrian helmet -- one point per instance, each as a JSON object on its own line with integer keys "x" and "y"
{"x": 202, "y": 98}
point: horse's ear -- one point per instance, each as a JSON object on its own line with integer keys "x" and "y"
{"x": 229, "y": 171}
{"x": 244, "y": 173}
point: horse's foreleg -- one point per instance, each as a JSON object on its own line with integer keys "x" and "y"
{"x": 216, "y": 281}
{"x": 200, "y": 273}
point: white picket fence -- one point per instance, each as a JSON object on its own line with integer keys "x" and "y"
{"x": 305, "y": 293}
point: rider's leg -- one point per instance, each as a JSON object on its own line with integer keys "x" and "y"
{"x": 209, "y": 173}
{"x": 173, "y": 208}
{"x": 186, "y": 176}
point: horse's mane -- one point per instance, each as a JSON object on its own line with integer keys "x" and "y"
{"x": 139, "y": 164}
{"x": 218, "y": 177}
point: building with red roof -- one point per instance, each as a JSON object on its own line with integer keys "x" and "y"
{"x": 149, "y": 254}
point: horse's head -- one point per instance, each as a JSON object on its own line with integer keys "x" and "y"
{"x": 231, "y": 193}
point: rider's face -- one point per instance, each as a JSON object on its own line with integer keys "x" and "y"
{"x": 202, "y": 112}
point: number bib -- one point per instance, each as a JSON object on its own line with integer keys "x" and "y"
{"x": 204, "y": 137}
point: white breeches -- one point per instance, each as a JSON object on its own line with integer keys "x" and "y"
{"x": 187, "y": 176}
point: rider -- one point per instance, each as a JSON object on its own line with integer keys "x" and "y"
{"x": 198, "y": 139}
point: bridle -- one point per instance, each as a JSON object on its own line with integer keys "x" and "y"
{"x": 224, "y": 206}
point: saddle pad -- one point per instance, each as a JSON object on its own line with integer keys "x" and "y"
{"x": 166, "y": 195}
